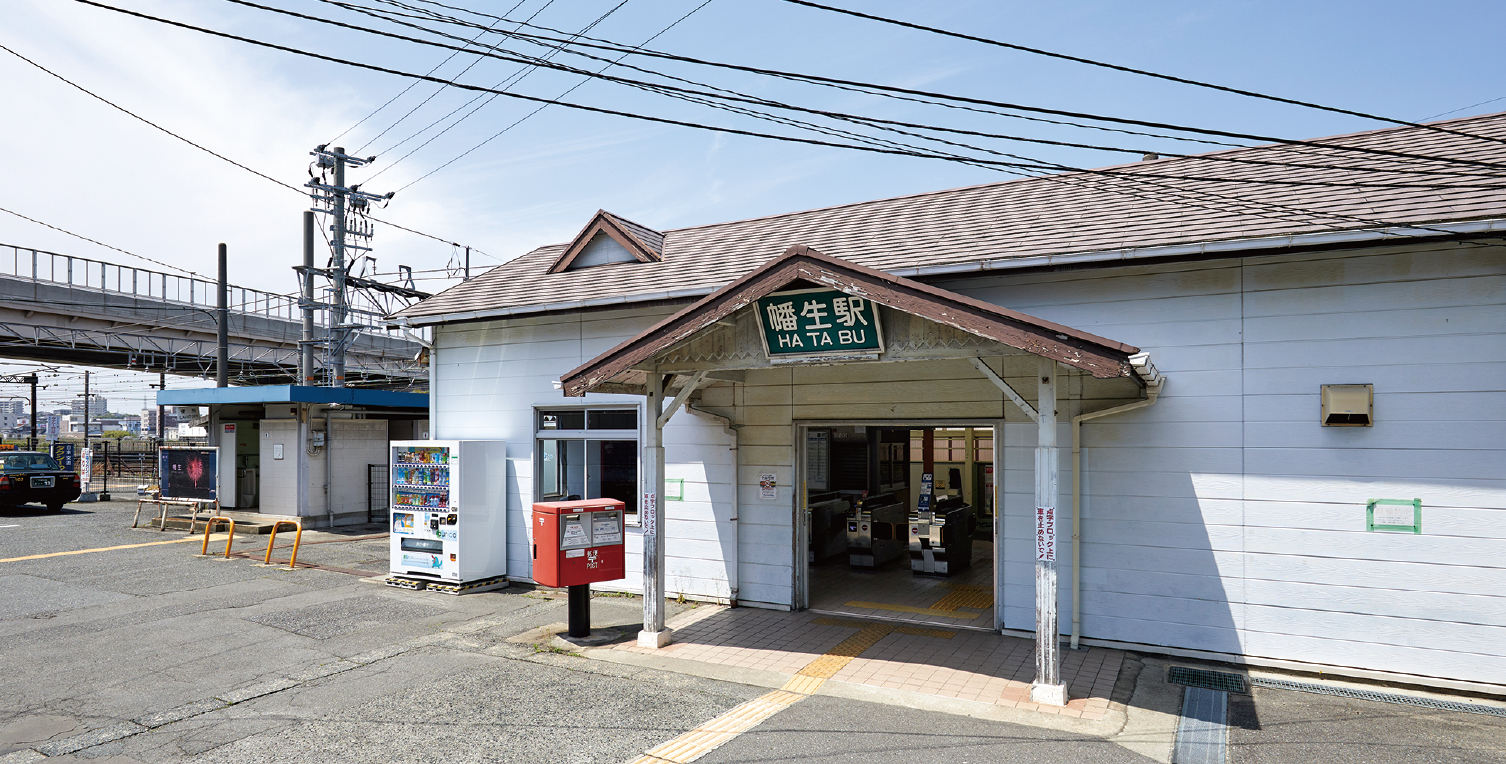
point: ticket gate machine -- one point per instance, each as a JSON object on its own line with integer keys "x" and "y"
{"x": 871, "y": 537}
{"x": 941, "y": 540}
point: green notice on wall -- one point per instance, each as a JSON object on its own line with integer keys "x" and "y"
{"x": 1401, "y": 515}
{"x": 819, "y": 322}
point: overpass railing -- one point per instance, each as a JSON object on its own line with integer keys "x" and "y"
{"x": 39, "y": 265}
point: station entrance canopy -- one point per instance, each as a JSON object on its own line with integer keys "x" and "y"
{"x": 808, "y": 309}
{"x": 723, "y": 331}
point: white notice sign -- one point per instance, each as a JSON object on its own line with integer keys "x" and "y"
{"x": 1394, "y": 514}
{"x": 767, "y": 486}
{"x": 573, "y": 533}
{"x": 606, "y": 528}
{"x": 1045, "y": 533}
{"x": 650, "y": 514}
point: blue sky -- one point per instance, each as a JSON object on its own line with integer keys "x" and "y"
{"x": 75, "y": 163}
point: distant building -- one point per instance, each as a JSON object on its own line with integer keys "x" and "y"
{"x": 97, "y": 406}
{"x": 12, "y": 415}
{"x": 147, "y": 422}
{"x": 73, "y": 426}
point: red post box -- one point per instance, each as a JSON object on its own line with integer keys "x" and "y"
{"x": 578, "y": 542}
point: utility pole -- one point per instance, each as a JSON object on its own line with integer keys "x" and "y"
{"x": 467, "y": 263}
{"x": 161, "y": 410}
{"x": 86, "y": 409}
{"x": 222, "y": 351}
{"x": 337, "y": 309}
{"x": 347, "y": 206}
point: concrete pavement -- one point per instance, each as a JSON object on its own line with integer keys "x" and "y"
{"x": 150, "y": 654}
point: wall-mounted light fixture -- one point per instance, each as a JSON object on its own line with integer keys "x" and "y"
{"x": 1348, "y": 406}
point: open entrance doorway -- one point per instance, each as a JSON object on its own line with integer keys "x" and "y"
{"x": 899, "y": 521}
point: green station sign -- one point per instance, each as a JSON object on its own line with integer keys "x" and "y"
{"x": 815, "y": 322}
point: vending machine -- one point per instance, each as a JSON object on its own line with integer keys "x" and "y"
{"x": 449, "y": 510}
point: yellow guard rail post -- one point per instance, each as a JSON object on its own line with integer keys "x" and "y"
{"x": 292, "y": 561}
{"x": 204, "y": 551}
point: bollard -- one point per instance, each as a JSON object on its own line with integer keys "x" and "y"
{"x": 204, "y": 552}
{"x": 298, "y": 537}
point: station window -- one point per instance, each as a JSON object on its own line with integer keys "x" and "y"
{"x": 952, "y": 447}
{"x": 588, "y": 453}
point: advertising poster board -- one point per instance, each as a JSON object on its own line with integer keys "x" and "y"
{"x": 86, "y": 469}
{"x": 189, "y": 472}
{"x": 64, "y": 453}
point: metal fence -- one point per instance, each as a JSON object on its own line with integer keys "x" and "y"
{"x": 377, "y": 495}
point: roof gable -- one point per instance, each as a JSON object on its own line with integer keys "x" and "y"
{"x": 1103, "y": 358}
{"x": 637, "y": 244}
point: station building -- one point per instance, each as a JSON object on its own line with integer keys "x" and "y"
{"x": 1245, "y": 406}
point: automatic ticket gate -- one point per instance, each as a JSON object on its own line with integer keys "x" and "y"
{"x": 871, "y": 537}
{"x": 941, "y": 540}
{"x": 827, "y": 526}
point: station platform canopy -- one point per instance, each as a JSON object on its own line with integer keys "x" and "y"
{"x": 348, "y": 396}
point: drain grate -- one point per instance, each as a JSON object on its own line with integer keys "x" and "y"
{"x": 1382, "y": 697}
{"x": 1211, "y": 680}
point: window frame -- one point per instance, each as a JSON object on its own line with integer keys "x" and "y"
{"x": 633, "y": 510}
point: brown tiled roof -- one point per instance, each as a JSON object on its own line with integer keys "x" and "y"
{"x": 1038, "y": 217}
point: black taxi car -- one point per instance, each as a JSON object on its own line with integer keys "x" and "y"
{"x": 28, "y": 477}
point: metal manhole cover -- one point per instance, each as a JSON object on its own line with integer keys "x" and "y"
{"x": 1212, "y": 680}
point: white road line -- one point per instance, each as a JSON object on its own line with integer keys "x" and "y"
{"x": 10, "y": 526}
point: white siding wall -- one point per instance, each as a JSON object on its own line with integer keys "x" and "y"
{"x": 491, "y": 375}
{"x": 1225, "y": 518}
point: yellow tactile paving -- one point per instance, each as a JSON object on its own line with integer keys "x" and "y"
{"x": 931, "y": 611}
{"x": 711, "y": 735}
{"x": 963, "y": 595}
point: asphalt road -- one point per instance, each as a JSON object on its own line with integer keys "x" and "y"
{"x": 151, "y": 654}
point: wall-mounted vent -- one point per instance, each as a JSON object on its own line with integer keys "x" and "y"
{"x": 1348, "y": 405}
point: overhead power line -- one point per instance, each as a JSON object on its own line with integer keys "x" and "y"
{"x": 441, "y": 88}
{"x": 198, "y": 146}
{"x": 1131, "y": 176}
{"x": 507, "y": 83}
{"x": 883, "y": 124}
{"x": 891, "y": 91}
{"x": 102, "y": 244}
{"x": 531, "y": 114}
{"x": 1182, "y": 196}
{"x": 1142, "y": 72}
{"x": 1025, "y": 163}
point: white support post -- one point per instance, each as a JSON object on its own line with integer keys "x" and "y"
{"x": 1048, "y": 686}
{"x": 302, "y": 508}
{"x": 653, "y": 634}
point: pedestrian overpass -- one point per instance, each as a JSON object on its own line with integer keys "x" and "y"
{"x": 57, "y": 308}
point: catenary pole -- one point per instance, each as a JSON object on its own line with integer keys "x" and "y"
{"x": 32, "y": 380}
{"x": 306, "y": 357}
{"x": 337, "y": 309}
{"x": 222, "y": 335}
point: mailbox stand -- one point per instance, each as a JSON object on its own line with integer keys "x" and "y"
{"x": 580, "y": 611}
{"x": 576, "y": 544}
